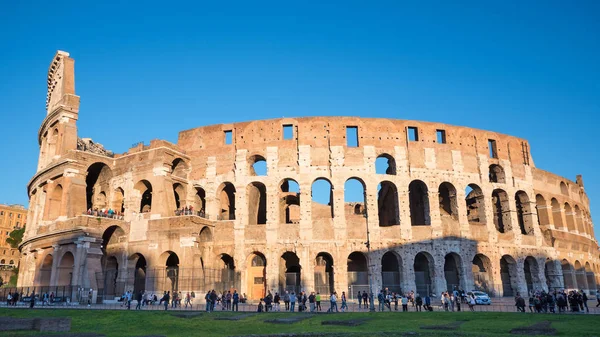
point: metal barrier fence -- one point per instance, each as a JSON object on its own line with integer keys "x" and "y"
{"x": 61, "y": 293}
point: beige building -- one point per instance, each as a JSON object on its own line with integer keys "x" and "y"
{"x": 11, "y": 217}
{"x": 236, "y": 206}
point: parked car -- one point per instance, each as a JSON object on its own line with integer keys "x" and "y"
{"x": 481, "y": 297}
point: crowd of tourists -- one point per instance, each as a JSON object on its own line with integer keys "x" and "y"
{"x": 544, "y": 302}
{"x": 105, "y": 213}
{"x": 189, "y": 210}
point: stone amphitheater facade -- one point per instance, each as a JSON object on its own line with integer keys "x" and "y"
{"x": 453, "y": 206}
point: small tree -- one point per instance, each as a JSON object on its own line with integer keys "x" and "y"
{"x": 16, "y": 237}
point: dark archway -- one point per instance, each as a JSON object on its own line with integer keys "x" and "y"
{"x": 387, "y": 204}
{"x": 358, "y": 276}
{"x": 257, "y": 203}
{"x": 508, "y": 275}
{"x": 289, "y": 272}
{"x": 226, "y": 201}
{"x": 497, "y": 174}
{"x": 324, "y": 277}
{"x": 145, "y": 189}
{"x": 419, "y": 203}
{"x": 65, "y": 269}
{"x": 45, "y": 271}
{"x": 482, "y": 273}
{"x": 424, "y": 272}
{"x": 289, "y": 204}
{"x": 475, "y": 201}
{"x": 391, "y": 272}
{"x": 453, "y": 271}
{"x": 97, "y": 181}
{"x": 524, "y": 214}
{"x": 501, "y": 210}
{"x": 172, "y": 271}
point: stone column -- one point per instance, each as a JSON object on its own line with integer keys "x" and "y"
{"x": 305, "y": 210}
{"x": 434, "y": 213}
{"x": 405, "y": 222}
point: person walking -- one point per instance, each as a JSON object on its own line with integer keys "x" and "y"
{"x": 207, "y": 299}
{"x": 32, "y": 301}
{"x": 404, "y": 303}
{"x": 472, "y": 303}
{"x": 419, "y": 302}
{"x": 236, "y": 300}
{"x": 318, "y": 300}
{"x": 166, "y": 300}
{"x": 276, "y": 301}
{"x": 292, "y": 301}
{"x": 333, "y": 301}
{"x": 286, "y": 300}
{"x": 139, "y": 297}
{"x": 380, "y": 300}
{"x": 311, "y": 301}
{"x": 344, "y": 305}
{"x": 128, "y": 299}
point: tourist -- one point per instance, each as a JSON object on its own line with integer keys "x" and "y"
{"x": 359, "y": 298}
{"x": 318, "y": 300}
{"x": 276, "y": 301}
{"x": 268, "y": 300}
{"x": 451, "y": 300}
{"x": 228, "y": 299}
{"x": 44, "y": 299}
{"x": 32, "y": 300}
{"x": 286, "y": 300}
{"x": 584, "y": 300}
{"x": 292, "y": 301}
{"x": 405, "y": 303}
{"x": 139, "y": 298}
{"x": 365, "y": 298}
{"x": 519, "y": 303}
{"x": 9, "y": 299}
{"x": 207, "y": 299}
{"x": 380, "y": 300}
{"x": 418, "y": 302}
{"x": 166, "y": 299}
{"x": 260, "y": 306}
{"x": 472, "y": 302}
{"x": 236, "y": 300}
{"x": 304, "y": 299}
{"x": 396, "y": 295}
{"x": 128, "y": 298}
{"x": 311, "y": 301}
{"x": 344, "y": 306}
{"x": 333, "y": 301}
{"x": 213, "y": 300}
{"x": 90, "y": 296}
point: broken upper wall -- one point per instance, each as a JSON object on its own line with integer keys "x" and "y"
{"x": 323, "y": 134}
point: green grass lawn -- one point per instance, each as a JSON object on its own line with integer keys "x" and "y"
{"x": 132, "y": 323}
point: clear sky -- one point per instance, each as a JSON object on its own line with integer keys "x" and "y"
{"x": 149, "y": 70}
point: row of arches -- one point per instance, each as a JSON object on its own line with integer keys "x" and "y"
{"x": 563, "y": 216}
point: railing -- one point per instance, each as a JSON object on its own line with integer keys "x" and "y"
{"x": 184, "y": 212}
{"x": 106, "y": 214}
{"x": 60, "y": 294}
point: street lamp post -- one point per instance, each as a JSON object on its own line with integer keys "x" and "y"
{"x": 368, "y": 244}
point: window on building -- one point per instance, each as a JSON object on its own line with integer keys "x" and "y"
{"x": 18, "y": 216}
{"x": 352, "y": 136}
{"x": 492, "y": 148}
{"x": 441, "y": 136}
{"x": 1, "y": 212}
{"x": 228, "y": 137}
{"x": 288, "y": 131}
{"x": 413, "y": 134}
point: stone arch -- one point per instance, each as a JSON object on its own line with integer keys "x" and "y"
{"x": 322, "y": 208}
{"x": 55, "y": 204}
{"x": 179, "y": 194}
{"x": 424, "y": 268}
{"x": 564, "y": 189}
{"x": 118, "y": 203}
{"x": 324, "y": 273}
{"x": 226, "y": 279}
{"x": 139, "y": 272}
{"x": 200, "y": 201}
{"x": 112, "y": 247}
{"x": 557, "y": 214}
{"x": 65, "y": 269}
{"x": 524, "y": 213}
{"x": 290, "y": 272}
{"x": 553, "y": 277}
{"x": 475, "y": 201}
{"x": 542, "y": 210}
{"x": 357, "y": 269}
{"x": 257, "y": 203}
{"x": 590, "y": 277}
{"x": 532, "y": 272}
{"x": 580, "y": 276}
{"x": 257, "y": 165}
{"x": 355, "y": 199}
{"x": 482, "y": 273}
{"x": 226, "y": 201}
{"x": 171, "y": 265}
{"x": 45, "y": 271}
{"x": 569, "y": 218}
{"x": 256, "y": 275}
{"x": 509, "y": 276}
{"x": 496, "y": 174}
{"x": 145, "y": 191}
{"x": 501, "y": 210}
{"x": 97, "y": 182}
{"x": 205, "y": 235}
{"x": 568, "y": 274}
{"x": 179, "y": 168}
{"x": 385, "y": 164}
{"x": 391, "y": 271}
{"x": 579, "y": 220}
{"x": 419, "y": 203}
{"x": 289, "y": 201}
{"x": 388, "y": 207}
{"x": 447, "y": 201}
{"x": 453, "y": 271}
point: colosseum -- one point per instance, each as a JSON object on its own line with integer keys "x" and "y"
{"x": 236, "y": 206}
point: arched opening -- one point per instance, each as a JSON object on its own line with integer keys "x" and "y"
{"x": 172, "y": 271}
{"x": 111, "y": 273}
{"x": 557, "y": 214}
{"x": 179, "y": 168}
{"x": 532, "y": 274}
{"x": 569, "y": 217}
{"x": 542, "y": 210}
{"x": 139, "y": 274}
{"x": 424, "y": 272}
{"x": 355, "y": 199}
{"x": 453, "y": 271}
{"x": 227, "y": 279}
{"x": 45, "y": 271}
{"x": 322, "y": 199}
{"x": 482, "y": 273}
{"x": 324, "y": 281}
{"x": 387, "y": 204}
{"x": 65, "y": 269}
{"x": 563, "y": 188}
{"x": 524, "y": 215}
{"x": 118, "y": 204}
{"x": 590, "y": 277}
{"x": 553, "y": 281}
{"x": 112, "y": 247}
{"x": 508, "y": 275}
{"x": 205, "y": 235}
{"x": 501, "y": 211}
{"x": 289, "y": 202}
{"x": 144, "y": 189}
{"x": 391, "y": 271}
{"x": 97, "y": 181}
{"x": 179, "y": 193}
{"x": 257, "y": 203}
{"x": 55, "y": 204}
{"x": 580, "y": 276}
{"x": 200, "y": 201}
{"x": 568, "y": 275}
{"x": 579, "y": 220}
{"x": 226, "y": 201}
{"x": 496, "y": 174}
{"x": 385, "y": 164}
{"x": 358, "y": 275}
{"x": 419, "y": 203}
{"x": 256, "y": 276}
{"x": 447, "y": 201}
{"x": 289, "y": 272}
{"x": 475, "y": 201}
{"x": 257, "y": 166}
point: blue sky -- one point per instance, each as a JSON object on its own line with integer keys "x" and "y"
{"x": 525, "y": 68}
